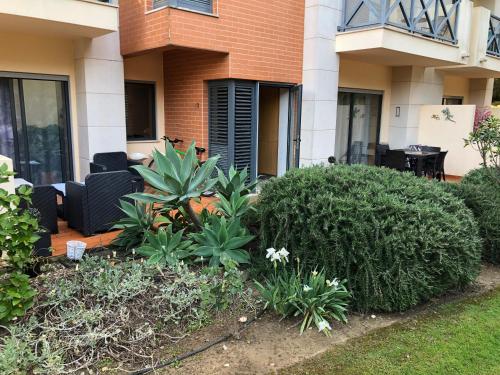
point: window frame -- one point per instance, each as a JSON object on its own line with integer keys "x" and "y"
{"x": 154, "y": 137}
{"x": 452, "y": 97}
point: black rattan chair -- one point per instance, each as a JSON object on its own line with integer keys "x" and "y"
{"x": 440, "y": 174}
{"x": 111, "y": 162}
{"x": 93, "y": 207}
{"x": 431, "y": 162}
{"x": 114, "y": 162}
{"x": 380, "y": 152}
{"x": 44, "y": 199}
{"x": 395, "y": 159}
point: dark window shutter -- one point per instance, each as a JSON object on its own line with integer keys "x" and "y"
{"x": 233, "y": 124}
{"x": 218, "y": 123}
{"x": 245, "y": 126}
{"x": 197, "y": 5}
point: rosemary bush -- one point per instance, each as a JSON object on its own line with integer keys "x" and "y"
{"x": 397, "y": 239}
{"x": 480, "y": 190}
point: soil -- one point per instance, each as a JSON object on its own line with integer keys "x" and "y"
{"x": 269, "y": 344}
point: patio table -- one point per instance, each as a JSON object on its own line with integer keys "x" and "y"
{"x": 420, "y": 157}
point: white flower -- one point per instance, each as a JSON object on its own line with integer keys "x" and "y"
{"x": 324, "y": 325}
{"x": 275, "y": 257}
{"x": 270, "y": 252}
{"x": 334, "y": 283}
{"x": 284, "y": 254}
{"x": 315, "y": 273}
{"x": 307, "y": 288}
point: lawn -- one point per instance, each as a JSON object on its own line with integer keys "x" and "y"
{"x": 456, "y": 338}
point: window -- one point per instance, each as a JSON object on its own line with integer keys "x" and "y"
{"x": 140, "y": 111}
{"x": 204, "y": 6}
{"x": 453, "y": 100}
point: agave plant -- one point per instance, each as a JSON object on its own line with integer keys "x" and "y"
{"x": 222, "y": 242}
{"x": 165, "y": 247}
{"x": 140, "y": 219}
{"x": 235, "y": 183}
{"x": 177, "y": 179}
{"x": 235, "y": 207}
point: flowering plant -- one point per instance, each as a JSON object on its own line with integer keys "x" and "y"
{"x": 311, "y": 295}
{"x": 485, "y": 138}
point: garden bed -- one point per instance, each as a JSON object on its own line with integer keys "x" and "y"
{"x": 270, "y": 344}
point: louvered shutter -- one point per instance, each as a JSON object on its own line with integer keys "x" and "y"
{"x": 218, "y": 123}
{"x": 197, "y": 5}
{"x": 245, "y": 121}
{"x": 233, "y": 124}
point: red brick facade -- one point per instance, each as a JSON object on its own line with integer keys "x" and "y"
{"x": 259, "y": 40}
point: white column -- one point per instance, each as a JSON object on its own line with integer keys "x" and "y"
{"x": 320, "y": 79}
{"x": 411, "y": 88}
{"x": 100, "y": 98}
{"x": 481, "y": 91}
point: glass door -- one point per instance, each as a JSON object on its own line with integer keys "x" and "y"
{"x": 34, "y": 118}
{"x": 358, "y": 127}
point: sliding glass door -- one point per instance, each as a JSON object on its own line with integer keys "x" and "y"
{"x": 358, "y": 127}
{"x": 34, "y": 128}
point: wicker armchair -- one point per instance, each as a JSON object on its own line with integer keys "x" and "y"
{"x": 44, "y": 199}
{"x": 111, "y": 162}
{"x": 93, "y": 207}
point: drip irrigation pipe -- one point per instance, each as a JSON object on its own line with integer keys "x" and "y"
{"x": 198, "y": 350}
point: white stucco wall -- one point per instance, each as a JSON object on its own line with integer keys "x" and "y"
{"x": 100, "y": 97}
{"x": 450, "y": 136}
{"x": 320, "y": 80}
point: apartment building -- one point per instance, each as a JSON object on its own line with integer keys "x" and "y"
{"x": 225, "y": 73}
{"x": 61, "y": 86}
{"x": 378, "y": 71}
{"x": 266, "y": 84}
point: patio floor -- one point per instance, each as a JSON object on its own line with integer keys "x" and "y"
{"x": 99, "y": 240}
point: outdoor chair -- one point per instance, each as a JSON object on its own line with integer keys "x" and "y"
{"x": 113, "y": 162}
{"x": 93, "y": 207}
{"x": 395, "y": 159}
{"x": 44, "y": 201}
{"x": 380, "y": 152}
{"x": 430, "y": 167}
{"x": 440, "y": 174}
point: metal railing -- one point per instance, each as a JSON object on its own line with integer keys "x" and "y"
{"x": 494, "y": 37}
{"x": 436, "y": 19}
{"x": 203, "y": 6}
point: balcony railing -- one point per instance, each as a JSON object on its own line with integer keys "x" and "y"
{"x": 494, "y": 37}
{"x": 204, "y": 6}
{"x": 436, "y": 19}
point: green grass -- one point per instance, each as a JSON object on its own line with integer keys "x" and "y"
{"x": 453, "y": 339}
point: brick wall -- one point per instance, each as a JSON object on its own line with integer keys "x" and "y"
{"x": 186, "y": 92}
{"x": 260, "y": 40}
{"x": 264, "y": 38}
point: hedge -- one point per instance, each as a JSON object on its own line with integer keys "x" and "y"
{"x": 480, "y": 190}
{"x": 397, "y": 239}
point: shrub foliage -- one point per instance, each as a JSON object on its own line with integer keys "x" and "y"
{"x": 480, "y": 190}
{"x": 397, "y": 239}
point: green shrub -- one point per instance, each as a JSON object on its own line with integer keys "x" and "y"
{"x": 18, "y": 228}
{"x": 480, "y": 190}
{"x": 396, "y": 238}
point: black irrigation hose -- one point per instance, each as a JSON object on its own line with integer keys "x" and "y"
{"x": 200, "y": 349}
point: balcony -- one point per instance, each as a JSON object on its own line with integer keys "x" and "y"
{"x": 62, "y": 18}
{"x": 200, "y": 6}
{"x": 404, "y": 32}
{"x": 436, "y": 19}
